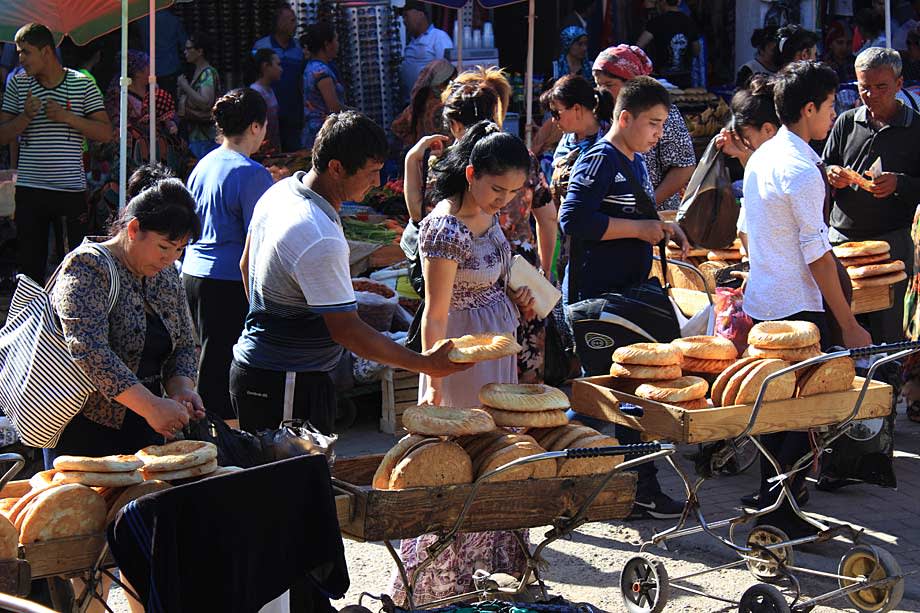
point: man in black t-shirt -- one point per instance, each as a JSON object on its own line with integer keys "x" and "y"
{"x": 674, "y": 41}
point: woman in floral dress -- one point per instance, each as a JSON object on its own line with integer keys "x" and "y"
{"x": 466, "y": 259}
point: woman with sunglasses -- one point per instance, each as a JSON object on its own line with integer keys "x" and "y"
{"x": 198, "y": 96}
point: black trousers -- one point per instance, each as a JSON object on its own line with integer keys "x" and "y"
{"x": 257, "y": 396}
{"x": 36, "y": 211}
{"x": 219, "y": 311}
{"x": 788, "y": 447}
{"x": 290, "y": 128}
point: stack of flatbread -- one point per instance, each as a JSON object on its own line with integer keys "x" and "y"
{"x": 869, "y": 264}
{"x": 573, "y": 436}
{"x": 178, "y": 460}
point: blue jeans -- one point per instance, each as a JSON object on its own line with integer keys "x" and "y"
{"x": 647, "y": 484}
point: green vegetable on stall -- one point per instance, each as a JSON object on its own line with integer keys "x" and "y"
{"x": 367, "y": 232}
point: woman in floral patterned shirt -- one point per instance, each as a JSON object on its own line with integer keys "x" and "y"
{"x": 145, "y": 345}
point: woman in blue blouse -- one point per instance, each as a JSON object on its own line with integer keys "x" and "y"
{"x": 323, "y": 92}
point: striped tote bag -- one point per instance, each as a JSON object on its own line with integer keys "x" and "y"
{"x": 41, "y": 387}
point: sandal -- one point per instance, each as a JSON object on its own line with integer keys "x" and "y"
{"x": 913, "y": 411}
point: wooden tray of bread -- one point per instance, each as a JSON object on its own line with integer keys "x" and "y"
{"x": 600, "y": 397}
{"x": 503, "y": 505}
{"x": 872, "y": 299}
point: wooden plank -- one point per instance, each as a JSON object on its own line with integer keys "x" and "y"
{"x": 872, "y": 299}
{"x": 596, "y": 397}
{"x": 357, "y": 470}
{"x": 387, "y": 408}
{"x": 506, "y": 505}
{"x": 409, "y": 395}
{"x": 344, "y": 506}
{"x": 64, "y": 557}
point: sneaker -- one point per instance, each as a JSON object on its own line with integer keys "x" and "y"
{"x": 656, "y": 506}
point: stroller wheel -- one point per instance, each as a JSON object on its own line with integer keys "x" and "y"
{"x": 766, "y": 565}
{"x": 762, "y": 598}
{"x": 644, "y": 585}
{"x": 872, "y": 564}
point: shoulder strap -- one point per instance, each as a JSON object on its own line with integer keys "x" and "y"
{"x": 910, "y": 98}
{"x": 646, "y": 206}
{"x": 115, "y": 282}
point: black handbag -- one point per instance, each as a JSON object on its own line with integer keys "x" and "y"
{"x": 234, "y": 447}
{"x": 623, "y": 316}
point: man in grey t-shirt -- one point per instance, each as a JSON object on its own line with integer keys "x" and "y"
{"x": 302, "y": 310}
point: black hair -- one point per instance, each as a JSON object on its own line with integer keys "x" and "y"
{"x": 672, "y": 2}
{"x": 203, "y": 41}
{"x": 317, "y": 36}
{"x": 238, "y": 109}
{"x": 256, "y": 61}
{"x": 163, "y": 206}
{"x": 791, "y": 40}
{"x": 484, "y": 147}
{"x": 641, "y": 94}
{"x": 146, "y": 175}
{"x": 280, "y": 8}
{"x": 352, "y": 138}
{"x": 753, "y": 105}
{"x": 870, "y": 23}
{"x": 800, "y": 83}
{"x": 761, "y": 37}
{"x": 470, "y": 103}
{"x": 34, "y": 34}
{"x": 575, "y": 89}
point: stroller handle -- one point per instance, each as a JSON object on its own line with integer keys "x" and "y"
{"x": 637, "y": 449}
{"x": 862, "y": 352}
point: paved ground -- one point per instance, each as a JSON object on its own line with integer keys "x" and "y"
{"x": 587, "y": 568}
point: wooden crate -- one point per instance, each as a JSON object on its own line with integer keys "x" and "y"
{"x": 506, "y": 505}
{"x": 600, "y": 397}
{"x": 872, "y": 299}
{"x": 398, "y": 391}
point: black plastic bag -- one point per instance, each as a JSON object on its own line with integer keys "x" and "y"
{"x": 234, "y": 447}
{"x": 709, "y": 212}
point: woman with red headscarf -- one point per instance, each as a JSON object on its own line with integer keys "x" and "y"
{"x": 838, "y": 51}
{"x": 671, "y": 162}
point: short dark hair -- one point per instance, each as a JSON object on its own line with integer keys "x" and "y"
{"x": 34, "y": 34}
{"x": 800, "y": 83}
{"x": 641, "y": 94}
{"x": 792, "y": 39}
{"x": 238, "y": 109}
{"x": 575, "y": 89}
{"x": 256, "y": 60}
{"x": 203, "y": 41}
{"x": 470, "y": 103}
{"x": 352, "y": 138}
{"x": 165, "y": 207}
{"x": 753, "y": 105}
{"x": 317, "y": 36}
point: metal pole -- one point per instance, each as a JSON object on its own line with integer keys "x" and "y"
{"x": 888, "y": 24}
{"x": 152, "y": 100}
{"x": 123, "y": 111}
{"x": 459, "y": 40}
{"x": 528, "y": 78}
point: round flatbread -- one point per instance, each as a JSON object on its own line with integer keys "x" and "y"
{"x": 550, "y": 439}
{"x": 720, "y": 255}
{"x": 734, "y": 384}
{"x": 483, "y": 347}
{"x": 42, "y": 479}
{"x": 133, "y": 493}
{"x": 63, "y": 511}
{"x": 99, "y": 479}
{"x": 706, "y": 348}
{"x": 9, "y": 540}
{"x": 381, "y": 480}
{"x": 572, "y": 436}
{"x": 790, "y": 355}
{"x": 782, "y": 388}
{"x": 509, "y": 454}
{"x": 6, "y": 505}
{"x": 718, "y": 386}
{"x": 692, "y": 405}
{"x": 679, "y": 390}
{"x": 706, "y": 367}
{"x": 645, "y": 373}
{"x": 446, "y": 421}
{"x": 891, "y": 279}
{"x": 572, "y": 467}
{"x": 482, "y": 442}
{"x": 104, "y": 464}
{"x": 186, "y": 473}
{"x": 875, "y": 270}
{"x": 506, "y": 440}
{"x": 784, "y": 335}
{"x": 536, "y": 419}
{"x": 835, "y": 375}
{"x": 523, "y": 397}
{"x": 177, "y": 455}
{"x": 432, "y": 464}
{"x": 856, "y": 249}
{"x": 648, "y": 354}
{"x": 867, "y": 259}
